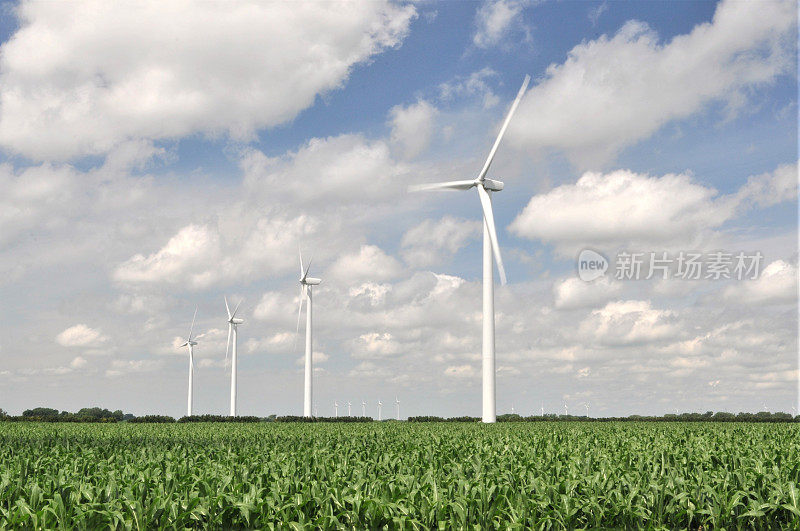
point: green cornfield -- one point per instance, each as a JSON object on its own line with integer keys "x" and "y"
{"x": 400, "y": 475}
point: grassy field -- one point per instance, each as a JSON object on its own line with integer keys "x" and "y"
{"x": 400, "y": 475}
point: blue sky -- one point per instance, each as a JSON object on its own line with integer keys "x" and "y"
{"x": 158, "y": 157}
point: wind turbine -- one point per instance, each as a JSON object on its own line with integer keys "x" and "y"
{"x": 397, "y": 403}
{"x": 233, "y": 324}
{"x": 490, "y": 246}
{"x": 587, "y": 409}
{"x": 190, "y": 343}
{"x": 380, "y": 404}
{"x": 512, "y": 409}
{"x": 305, "y": 293}
{"x": 566, "y": 410}
{"x": 543, "y": 409}
{"x": 348, "y": 408}
{"x": 363, "y": 408}
{"x": 336, "y": 409}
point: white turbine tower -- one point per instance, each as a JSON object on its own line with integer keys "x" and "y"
{"x": 380, "y": 405}
{"x": 490, "y": 246}
{"x": 512, "y": 409}
{"x": 566, "y": 410}
{"x": 305, "y": 294}
{"x": 190, "y": 343}
{"x": 233, "y": 324}
{"x": 336, "y": 409}
{"x": 543, "y": 409}
{"x": 363, "y": 408}
{"x": 587, "y": 409}
{"x": 348, "y": 408}
{"x": 397, "y": 403}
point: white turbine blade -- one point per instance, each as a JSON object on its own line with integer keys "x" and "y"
{"x": 451, "y": 185}
{"x": 488, "y": 216}
{"x": 237, "y": 308}
{"x": 228, "y": 343}
{"x": 511, "y": 111}
{"x": 307, "y": 268}
{"x": 227, "y": 307}
{"x": 301, "y": 262}
{"x": 300, "y": 309}
{"x": 191, "y": 328}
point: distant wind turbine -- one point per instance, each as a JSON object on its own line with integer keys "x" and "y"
{"x": 512, "y": 409}
{"x": 348, "y": 408}
{"x": 397, "y": 403}
{"x": 363, "y": 408}
{"x": 543, "y": 409}
{"x": 490, "y": 246}
{"x": 380, "y": 405}
{"x": 587, "y": 409}
{"x": 336, "y": 409}
{"x": 190, "y": 343}
{"x": 233, "y": 324}
{"x": 566, "y": 410}
{"x": 305, "y": 293}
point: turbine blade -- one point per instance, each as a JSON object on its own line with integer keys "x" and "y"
{"x": 191, "y": 328}
{"x": 502, "y": 132}
{"x": 307, "y": 268}
{"x": 300, "y": 310}
{"x": 227, "y": 307}
{"x": 228, "y": 343}
{"x": 450, "y": 185}
{"x": 301, "y": 262}
{"x": 237, "y": 308}
{"x": 488, "y": 216}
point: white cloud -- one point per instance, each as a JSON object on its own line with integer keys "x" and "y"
{"x": 777, "y": 283}
{"x": 573, "y": 292}
{"x": 432, "y": 241}
{"x": 495, "y": 19}
{"x": 165, "y": 70}
{"x": 188, "y": 254}
{"x": 471, "y": 85}
{"x": 81, "y": 335}
{"x": 461, "y": 372}
{"x": 319, "y": 357}
{"x": 369, "y": 263}
{"x": 376, "y": 345}
{"x": 122, "y": 367}
{"x": 78, "y": 362}
{"x": 624, "y": 208}
{"x": 630, "y": 322}
{"x": 612, "y": 92}
{"x": 412, "y": 127}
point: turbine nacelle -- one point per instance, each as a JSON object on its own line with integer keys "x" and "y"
{"x": 236, "y": 320}
{"x": 312, "y": 281}
{"x": 187, "y": 343}
{"x": 492, "y": 186}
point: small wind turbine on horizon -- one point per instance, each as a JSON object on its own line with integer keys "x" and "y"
{"x": 233, "y": 324}
{"x": 512, "y": 409}
{"x": 566, "y": 410}
{"x": 485, "y": 187}
{"x": 363, "y": 408}
{"x": 587, "y": 409}
{"x": 543, "y": 409}
{"x": 397, "y": 403}
{"x": 190, "y": 343}
{"x": 336, "y": 409}
{"x": 305, "y": 294}
{"x": 380, "y": 405}
{"x": 348, "y": 408}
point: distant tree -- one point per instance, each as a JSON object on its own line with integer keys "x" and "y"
{"x": 3, "y": 413}
{"x": 40, "y": 412}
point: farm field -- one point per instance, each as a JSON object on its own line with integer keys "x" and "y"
{"x": 400, "y": 475}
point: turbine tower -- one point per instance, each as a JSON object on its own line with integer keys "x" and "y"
{"x": 190, "y": 343}
{"x": 587, "y": 409}
{"x": 348, "y": 408}
{"x": 543, "y": 409}
{"x": 305, "y": 294}
{"x": 336, "y": 409}
{"x": 363, "y": 408}
{"x": 566, "y": 410}
{"x": 380, "y": 405}
{"x": 397, "y": 403}
{"x": 490, "y": 247}
{"x": 233, "y": 324}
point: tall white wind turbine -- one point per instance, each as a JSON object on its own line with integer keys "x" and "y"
{"x": 380, "y": 405}
{"x": 335, "y": 409}
{"x": 397, "y": 403}
{"x": 363, "y": 408}
{"x": 305, "y": 294}
{"x": 566, "y": 410}
{"x": 190, "y": 343}
{"x": 490, "y": 247}
{"x": 233, "y": 324}
{"x": 349, "y": 404}
{"x": 587, "y": 409}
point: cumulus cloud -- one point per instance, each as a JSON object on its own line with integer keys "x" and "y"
{"x": 432, "y": 241}
{"x": 630, "y": 322}
{"x": 122, "y": 367}
{"x": 623, "y": 207}
{"x": 81, "y": 335}
{"x": 572, "y": 292}
{"x": 166, "y": 70}
{"x": 412, "y": 127}
{"x": 369, "y": 263}
{"x": 777, "y": 283}
{"x": 475, "y": 84}
{"x": 614, "y": 91}
{"x": 494, "y": 21}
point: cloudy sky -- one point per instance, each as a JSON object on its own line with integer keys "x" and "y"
{"x": 155, "y": 157}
